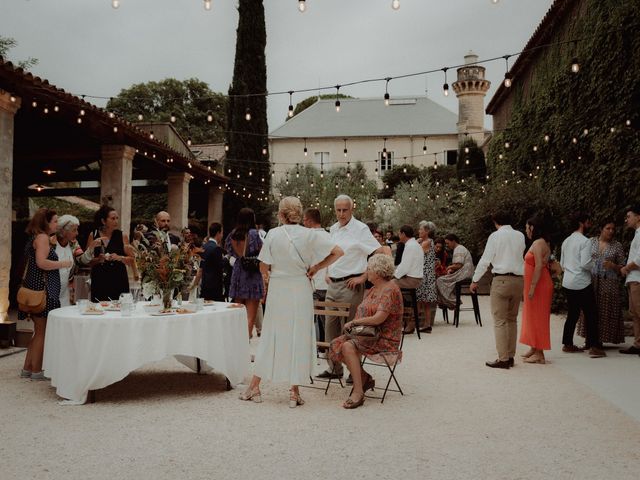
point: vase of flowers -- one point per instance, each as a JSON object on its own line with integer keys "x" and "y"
{"x": 165, "y": 272}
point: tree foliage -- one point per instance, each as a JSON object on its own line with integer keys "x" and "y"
{"x": 191, "y": 101}
{"x": 307, "y": 102}
{"x": 6, "y": 44}
{"x": 471, "y": 160}
{"x": 319, "y": 192}
{"x": 247, "y": 138}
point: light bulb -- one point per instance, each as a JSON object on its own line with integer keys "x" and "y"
{"x": 345, "y": 152}
{"x": 302, "y": 6}
{"x": 140, "y": 117}
{"x": 34, "y": 104}
{"x": 115, "y": 129}
{"x": 115, "y": 3}
{"x": 56, "y": 108}
{"x": 507, "y": 144}
{"x": 466, "y": 149}
{"x": 574, "y": 140}
{"x": 189, "y": 141}
{"x": 386, "y": 99}
{"x": 172, "y": 118}
{"x": 395, "y": 4}
{"x": 82, "y": 112}
{"x": 575, "y": 66}
{"x": 226, "y": 147}
{"x": 547, "y": 138}
{"x": 151, "y": 135}
{"x": 79, "y": 120}
{"x": 507, "y": 80}
{"x": 445, "y": 89}
{"x": 264, "y": 149}
{"x": 207, "y": 5}
{"x": 209, "y": 117}
{"x": 247, "y": 115}
{"x": 112, "y": 115}
{"x": 337, "y": 105}
{"x": 424, "y": 150}
{"x": 466, "y": 162}
{"x": 535, "y": 148}
{"x": 306, "y": 152}
{"x": 12, "y": 98}
{"x": 290, "y": 113}
{"x": 46, "y": 109}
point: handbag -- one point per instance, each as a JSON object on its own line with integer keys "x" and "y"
{"x": 250, "y": 264}
{"x": 32, "y": 301}
{"x": 369, "y": 331}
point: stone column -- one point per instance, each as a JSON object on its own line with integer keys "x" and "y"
{"x": 178, "y": 199}
{"x": 9, "y": 105}
{"x": 115, "y": 181}
{"x": 216, "y": 195}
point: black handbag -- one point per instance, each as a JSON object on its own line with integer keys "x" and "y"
{"x": 250, "y": 264}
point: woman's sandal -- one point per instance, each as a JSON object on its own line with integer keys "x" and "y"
{"x": 253, "y": 395}
{"x": 350, "y": 404}
{"x": 295, "y": 400}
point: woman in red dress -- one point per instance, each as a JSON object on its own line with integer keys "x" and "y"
{"x": 382, "y": 308}
{"x": 538, "y": 291}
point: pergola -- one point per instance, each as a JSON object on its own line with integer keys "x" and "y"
{"x": 48, "y": 136}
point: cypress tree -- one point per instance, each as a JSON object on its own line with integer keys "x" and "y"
{"x": 247, "y": 138}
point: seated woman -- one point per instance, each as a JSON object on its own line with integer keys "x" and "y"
{"x": 461, "y": 268}
{"x": 382, "y": 307}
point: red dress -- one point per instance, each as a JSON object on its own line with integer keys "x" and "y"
{"x": 387, "y": 299}
{"x": 536, "y": 311}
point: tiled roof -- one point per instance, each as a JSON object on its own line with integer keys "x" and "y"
{"x": 369, "y": 117}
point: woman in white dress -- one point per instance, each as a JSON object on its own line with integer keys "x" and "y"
{"x": 287, "y": 348}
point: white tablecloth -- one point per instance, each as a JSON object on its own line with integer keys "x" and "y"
{"x": 89, "y": 352}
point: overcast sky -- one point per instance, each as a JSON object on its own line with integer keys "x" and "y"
{"x": 87, "y": 47}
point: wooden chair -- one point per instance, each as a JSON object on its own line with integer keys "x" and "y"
{"x": 328, "y": 309}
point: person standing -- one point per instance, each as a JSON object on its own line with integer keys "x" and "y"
{"x": 537, "y": 293}
{"x": 287, "y": 348}
{"x": 609, "y": 259}
{"x": 348, "y": 275}
{"x": 247, "y": 286}
{"x": 408, "y": 274}
{"x": 160, "y": 233}
{"x": 576, "y": 261}
{"x": 109, "y": 276}
{"x": 41, "y": 273}
{"x": 426, "y": 291}
{"x": 632, "y": 273}
{"x": 67, "y": 249}
{"x": 504, "y": 251}
{"x": 311, "y": 219}
{"x": 211, "y": 266}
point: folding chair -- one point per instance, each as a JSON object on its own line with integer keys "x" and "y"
{"x": 328, "y": 309}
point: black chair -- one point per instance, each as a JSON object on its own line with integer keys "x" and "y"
{"x": 474, "y": 301}
{"x": 410, "y": 300}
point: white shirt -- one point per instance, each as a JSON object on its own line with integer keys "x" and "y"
{"x": 319, "y": 279}
{"x": 634, "y": 256}
{"x": 357, "y": 242}
{"x": 576, "y": 261}
{"x": 504, "y": 250}
{"x": 412, "y": 264}
{"x": 64, "y": 254}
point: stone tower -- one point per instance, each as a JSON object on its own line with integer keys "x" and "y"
{"x": 471, "y": 88}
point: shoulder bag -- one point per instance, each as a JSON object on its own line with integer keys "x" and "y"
{"x": 32, "y": 301}
{"x": 369, "y": 331}
{"x": 250, "y": 264}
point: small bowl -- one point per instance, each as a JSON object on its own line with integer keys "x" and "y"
{"x": 152, "y": 308}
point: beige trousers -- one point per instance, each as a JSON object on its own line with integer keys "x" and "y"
{"x": 339, "y": 292}
{"x": 506, "y": 295}
{"x": 634, "y": 310}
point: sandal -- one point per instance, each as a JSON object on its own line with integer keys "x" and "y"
{"x": 25, "y": 373}
{"x": 253, "y": 395}
{"x": 295, "y": 400}
{"x": 350, "y": 404}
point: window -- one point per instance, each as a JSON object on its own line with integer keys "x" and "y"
{"x": 322, "y": 160}
{"x": 452, "y": 157}
{"x": 386, "y": 161}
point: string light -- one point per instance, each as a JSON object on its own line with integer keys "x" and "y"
{"x": 345, "y": 148}
{"x": 247, "y": 114}
{"x": 140, "y": 117}
{"x": 424, "y": 146}
{"x": 395, "y": 4}
{"x": 172, "y": 118}
{"x": 384, "y": 149}
{"x": 306, "y": 152}
{"x": 445, "y": 87}
{"x": 575, "y": 66}
{"x": 337, "y": 98}
{"x": 226, "y": 146}
{"x": 207, "y": 5}
{"x": 264, "y": 149}
{"x": 290, "y": 112}
{"x": 209, "y": 117}
{"x": 507, "y": 75}
{"x": 302, "y": 6}
{"x": 386, "y": 92}
{"x": 189, "y": 141}
{"x": 79, "y": 120}
{"x": 507, "y": 144}
{"x": 112, "y": 115}
{"x": 34, "y": 104}
{"x": 82, "y": 112}
{"x": 151, "y": 136}
{"x": 547, "y": 138}
{"x": 56, "y": 108}
{"x": 115, "y": 129}
{"x": 115, "y": 4}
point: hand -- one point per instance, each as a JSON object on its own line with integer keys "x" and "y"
{"x": 313, "y": 269}
{"x": 96, "y": 243}
{"x": 101, "y": 258}
{"x": 531, "y": 292}
{"x": 473, "y": 288}
{"x": 348, "y": 326}
{"x": 609, "y": 265}
{"x": 352, "y": 283}
{"x": 624, "y": 271}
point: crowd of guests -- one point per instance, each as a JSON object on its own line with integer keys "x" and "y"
{"x": 298, "y": 262}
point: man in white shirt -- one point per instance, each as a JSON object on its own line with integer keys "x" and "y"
{"x": 632, "y": 273}
{"x": 408, "y": 273}
{"x": 348, "y": 274}
{"x": 311, "y": 219}
{"x": 576, "y": 261}
{"x": 505, "y": 252}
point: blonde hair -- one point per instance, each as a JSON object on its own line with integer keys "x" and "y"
{"x": 290, "y": 210}
{"x": 382, "y": 265}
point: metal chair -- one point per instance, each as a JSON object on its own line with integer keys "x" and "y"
{"x": 474, "y": 301}
{"x": 410, "y": 299}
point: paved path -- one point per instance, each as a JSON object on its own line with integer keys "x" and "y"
{"x": 573, "y": 418}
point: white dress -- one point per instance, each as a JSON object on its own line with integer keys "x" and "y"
{"x": 287, "y": 348}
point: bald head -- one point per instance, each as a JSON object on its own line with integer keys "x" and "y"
{"x": 163, "y": 221}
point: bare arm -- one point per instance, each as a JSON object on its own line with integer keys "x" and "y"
{"x": 384, "y": 249}
{"x": 335, "y": 254}
{"x": 377, "y": 319}
{"x": 541, "y": 255}
{"x": 41, "y": 245}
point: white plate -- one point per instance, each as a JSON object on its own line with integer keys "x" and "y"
{"x": 162, "y": 314}
{"x": 92, "y": 313}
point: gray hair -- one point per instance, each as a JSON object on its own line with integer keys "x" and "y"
{"x": 382, "y": 265}
{"x": 341, "y": 198}
{"x": 428, "y": 226}
{"x": 66, "y": 223}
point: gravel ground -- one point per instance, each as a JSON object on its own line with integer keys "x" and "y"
{"x": 575, "y": 417}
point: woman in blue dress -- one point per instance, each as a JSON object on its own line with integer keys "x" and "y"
{"x": 247, "y": 286}
{"x": 41, "y": 273}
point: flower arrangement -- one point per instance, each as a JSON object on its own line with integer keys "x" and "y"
{"x": 163, "y": 272}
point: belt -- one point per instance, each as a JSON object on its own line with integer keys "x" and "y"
{"x": 506, "y": 275}
{"x": 342, "y": 279}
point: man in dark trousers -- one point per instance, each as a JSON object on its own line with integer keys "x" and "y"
{"x": 211, "y": 265}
